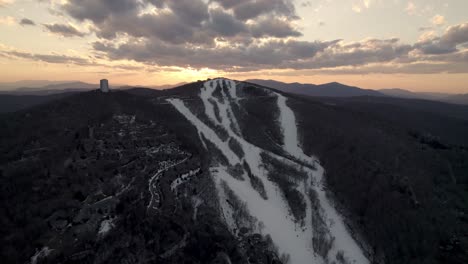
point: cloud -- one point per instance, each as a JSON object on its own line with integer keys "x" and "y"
{"x": 361, "y": 5}
{"x": 274, "y": 28}
{"x": 242, "y": 36}
{"x": 456, "y": 35}
{"x": 7, "y": 20}
{"x": 273, "y": 53}
{"x": 438, "y": 20}
{"x": 49, "y": 58}
{"x": 99, "y": 10}
{"x": 252, "y": 9}
{"x": 64, "y": 30}
{"x": 190, "y": 22}
{"x": 75, "y": 60}
{"x": 225, "y": 24}
{"x": 448, "y": 42}
{"x": 27, "y": 22}
{"x": 4, "y": 3}
{"x": 356, "y": 8}
{"x": 357, "y": 53}
{"x": 191, "y": 11}
{"x": 425, "y": 28}
{"x": 256, "y": 56}
{"x": 230, "y": 3}
{"x": 410, "y": 8}
{"x": 306, "y": 4}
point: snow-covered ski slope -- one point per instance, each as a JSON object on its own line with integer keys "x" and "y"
{"x": 321, "y": 235}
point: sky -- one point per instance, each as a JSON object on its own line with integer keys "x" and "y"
{"x": 419, "y": 45}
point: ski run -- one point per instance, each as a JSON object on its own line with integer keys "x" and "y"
{"x": 270, "y": 215}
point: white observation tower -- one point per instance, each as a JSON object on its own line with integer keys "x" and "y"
{"x": 104, "y": 86}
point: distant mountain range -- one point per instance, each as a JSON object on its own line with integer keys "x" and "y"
{"x": 458, "y": 99}
{"x": 48, "y": 89}
{"x": 42, "y": 88}
{"x": 30, "y": 83}
{"x": 24, "y": 94}
{"x": 336, "y": 89}
{"x": 333, "y": 89}
{"x": 443, "y": 97}
{"x": 396, "y": 92}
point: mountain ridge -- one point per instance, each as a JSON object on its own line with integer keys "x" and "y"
{"x": 332, "y": 89}
{"x": 336, "y": 89}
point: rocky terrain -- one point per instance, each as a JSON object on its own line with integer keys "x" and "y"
{"x": 222, "y": 171}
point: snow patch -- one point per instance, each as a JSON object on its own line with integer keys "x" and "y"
{"x": 153, "y": 186}
{"x": 43, "y": 253}
{"x": 183, "y": 178}
{"x": 275, "y": 217}
{"x": 196, "y": 202}
{"x": 106, "y": 226}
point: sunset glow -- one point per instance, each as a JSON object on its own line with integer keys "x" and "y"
{"x": 416, "y": 45}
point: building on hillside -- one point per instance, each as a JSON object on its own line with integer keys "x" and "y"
{"x": 104, "y": 86}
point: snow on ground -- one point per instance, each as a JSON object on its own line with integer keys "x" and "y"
{"x": 209, "y": 133}
{"x": 153, "y": 186}
{"x": 196, "y": 202}
{"x": 274, "y": 213}
{"x": 343, "y": 240}
{"x": 275, "y": 216}
{"x": 106, "y": 226}
{"x": 44, "y": 252}
{"x": 182, "y": 178}
{"x": 289, "y": 127}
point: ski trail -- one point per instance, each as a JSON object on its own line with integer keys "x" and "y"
{"x": 274, "y": 212}
{"x": 289, "y": 127}
{"x": 209, "y": 133}
{"x": 343, "y": 240}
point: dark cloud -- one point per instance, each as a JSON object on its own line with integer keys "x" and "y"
{"x": 191, "y": 22}
{"x": 285, "y": 54}
{"x": 355, "y": 54}
{"x": 64, "y": 30}
{"x": 99, "y": 10}
{"x": 191, "y": 11}
{"x": 230, "y": 3}
{"x": 456, "y": 35}
{"x": 447, "y": 43}
{"x": 225, "y": 24}
{"x": 27, "y": 22}
{"x": 274, "y": 28}
{"x": 274, "y": 53}
{"x": 435, "y": 47}
{"x": 252, "y": 9}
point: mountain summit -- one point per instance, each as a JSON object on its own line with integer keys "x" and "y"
{"x": 282, "y": 207}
